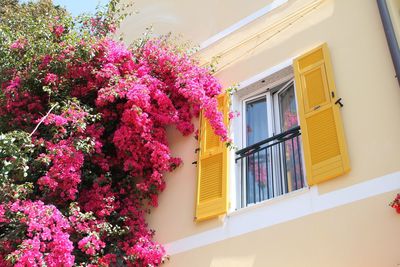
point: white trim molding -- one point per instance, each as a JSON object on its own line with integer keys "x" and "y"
{"x": 285, "y": 208}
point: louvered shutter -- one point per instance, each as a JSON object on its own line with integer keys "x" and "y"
{"x": 324, "y": 144}
{"x": 212, "y": 199}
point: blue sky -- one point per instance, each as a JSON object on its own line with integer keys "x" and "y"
{"x": 75, "y": 7}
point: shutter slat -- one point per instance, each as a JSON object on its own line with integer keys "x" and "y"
{"x": 323, "y": 136}
{"x": 211, "y": 140}
{"x": 211, "y": 182}
{"x": 325, "y": 149}
{"x": 212, "y": 197}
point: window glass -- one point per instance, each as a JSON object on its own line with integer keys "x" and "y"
{"x": 256, "y": 121}
{"x": 256, "y": 168}
{"x": 287, "y": 108}
{"x": 293, "y": 177}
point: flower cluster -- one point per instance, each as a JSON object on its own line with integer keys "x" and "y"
{"x": 396, "y": 203}
{"x": 64, "y": 175}
{"x": 91, "y": 244}
{"x": 95, "y": 115}
{"x": 46, "y": 240}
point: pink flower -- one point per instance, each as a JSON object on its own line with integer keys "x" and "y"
{"x": 58, "y": 30}
{"x": 91, "y": 244}
{"x": 19, "y": 44}
{"x": 47, "y": 239}
{"x": 64, "y": 176}
{"x": 50, "y": 78}
{"x": 233, "y": 114}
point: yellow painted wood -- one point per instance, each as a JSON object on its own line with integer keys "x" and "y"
{"x": 212, "y": 168}
{"x": 324, "y": 144}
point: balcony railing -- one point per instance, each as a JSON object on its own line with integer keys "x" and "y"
{"x": 271, "y": 167}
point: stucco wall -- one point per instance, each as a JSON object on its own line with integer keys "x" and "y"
{"x": 363, "y": 233}
{"x": 192, "y": 20}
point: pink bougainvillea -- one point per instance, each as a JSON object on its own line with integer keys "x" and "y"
{"x": 85, "y": 148}
{"x": 63, "y": 177}
{"x": 396, "y": 203}
{"x": 47, "y": 241}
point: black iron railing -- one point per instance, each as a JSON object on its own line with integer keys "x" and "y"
{"x": 270, "y": 167}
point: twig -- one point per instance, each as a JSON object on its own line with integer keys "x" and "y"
{"x": 44, "y": 117}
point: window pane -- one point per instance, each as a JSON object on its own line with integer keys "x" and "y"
{"x": 256, "y": 121}
{"x": 256, "y": 164}
{"x": 288, "y": 113}
{"x": 291, "y": 148}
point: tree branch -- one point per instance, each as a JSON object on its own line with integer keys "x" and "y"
{"x": 43, "y": 118}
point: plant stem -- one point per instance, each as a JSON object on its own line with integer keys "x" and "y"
{"x": 43, "y": 118}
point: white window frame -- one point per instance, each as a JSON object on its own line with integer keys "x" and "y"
{"x": 240, "y": 98}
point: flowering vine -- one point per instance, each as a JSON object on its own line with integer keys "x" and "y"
{"x": 83, "y": 143}
{"x": 396, "y": 203}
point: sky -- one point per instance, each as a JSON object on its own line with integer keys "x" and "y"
{"x": 75, "y": 7}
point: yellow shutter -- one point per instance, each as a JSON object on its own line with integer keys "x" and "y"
{"x": 212, "y": 197}
{"x": 324, "y": 144}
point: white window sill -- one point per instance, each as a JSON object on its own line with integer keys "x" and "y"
{"x": 269, "y": 202}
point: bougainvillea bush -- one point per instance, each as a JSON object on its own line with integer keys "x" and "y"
{"x": 83, "y": 146}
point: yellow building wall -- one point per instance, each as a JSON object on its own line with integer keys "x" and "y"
{"x": 361, "y": 233}
{"x": 194, "y": 20}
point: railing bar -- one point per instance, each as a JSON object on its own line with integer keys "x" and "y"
{"x": 254, "y": 180}
{"x": 259, "y": 176}
{"x": 300, "y": 162}
{"x": 294, "y": 165}
{"x": 247, "y": 181}
{"x": 279, "y": 170}
{"x": 258, "y": 144}
{"x": 266, "y": 166}
{"x": 261, "y": 148}
{"x": 272, "y": 174}
{"x": 285, "y": 168}
{"x": 241, "y": 184}
{"x": 266, "y": 179}
{"x": 282, "y": 168}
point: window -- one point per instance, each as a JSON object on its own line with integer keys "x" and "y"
{"x": 276, "y": 152}
{"x": 270, "y": 164}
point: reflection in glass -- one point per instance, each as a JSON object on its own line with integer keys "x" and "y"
{"x": 291, "y": 148}
{"x": 256, "y": 170}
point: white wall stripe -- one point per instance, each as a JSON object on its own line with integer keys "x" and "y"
{"x": 285, "y": 208}
{"x": 259, "y": 13}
